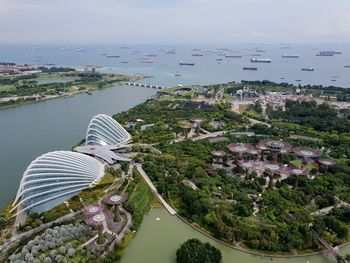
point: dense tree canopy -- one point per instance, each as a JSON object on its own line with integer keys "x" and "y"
{"x": 194, "y": 251}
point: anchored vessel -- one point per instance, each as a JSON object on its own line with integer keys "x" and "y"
{"x": 186, "y": 63}
{"x": 260, "y": 60}
{"x": 233, "y": 56}
{"x": 250, "y": 68}
{"x": 307, "y": 69}
{"x": 290, "y": 56}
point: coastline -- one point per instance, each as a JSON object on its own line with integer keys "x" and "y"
{"x": 110, "y": 85}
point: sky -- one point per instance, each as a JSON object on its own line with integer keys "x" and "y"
{"x": 174, "y": 21}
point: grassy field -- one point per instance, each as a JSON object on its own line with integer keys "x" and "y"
{"x": 141, "y": 197}
{"x": 4, "y": 88}
{"x": 140, "y": 201}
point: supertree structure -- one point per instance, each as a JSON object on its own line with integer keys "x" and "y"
{"x": 307, "y": 153}
{"x": 274, "y": 147}
{"x": 239, "y": 149}
{"x": 327, "y": 162}
{"x": 218, "y": 156}
{"x": 114, "y": 200}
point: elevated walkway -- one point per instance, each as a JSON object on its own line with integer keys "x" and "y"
{"x": 154, "y": 189}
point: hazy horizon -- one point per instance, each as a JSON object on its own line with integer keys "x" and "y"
{"x": 174, "y": 22}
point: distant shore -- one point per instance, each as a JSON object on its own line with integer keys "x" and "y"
{"x": 26, "y": 100}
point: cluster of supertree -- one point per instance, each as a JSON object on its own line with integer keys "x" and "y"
{"x": 274, "y": 149}
{"x": 96, "y": 216}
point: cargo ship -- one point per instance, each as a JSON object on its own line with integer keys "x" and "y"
{"x": 328, "y": 53}
{"x": 307, "y": 69}
{"x": 233, "y": 56}
{"x": 250, "y": 68}
{"x": 186, "y": 63}
{"x": 260, "y": 60}
{"x": 290, "y": 56}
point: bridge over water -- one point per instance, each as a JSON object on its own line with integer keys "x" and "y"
{"x": 144, "y": 85}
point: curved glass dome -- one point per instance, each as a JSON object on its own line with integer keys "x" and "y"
{"x": 104, "y": 130}
{"x": 53, "y": 178}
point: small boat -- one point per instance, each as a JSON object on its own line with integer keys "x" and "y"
{"x": 112, "y": 56}
{"x": 186, "y": 63}
{"x": 347, "y": 66}
{"x": 150, "y": 55}
{"x": 250, "y": 68}
{"x": 307, "y": 69}
{"x": 177, "y": 74}
{"x": 197, "y": 55}
{"x": 219, "y": 59}
{"x": 103, "y": 54}
{"x": 125, "y": 62}
{"x": 282, "y": 78}
{"x": 88, "y": 92}
{"x": 298, "y": 80}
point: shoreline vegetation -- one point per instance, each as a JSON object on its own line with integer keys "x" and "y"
{"x": 264, "y": 214}
{"x": 55, "y": 83}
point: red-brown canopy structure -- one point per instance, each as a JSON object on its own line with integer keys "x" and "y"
{"x": 92, "y": 210}
{"x": 113, "y": 199}
{"x": 241, "y": 148}
{"x": 306, "y": 153}
{"x": 274, "y": 147}
{"x": 218, "y": 154}
{"x": 327, "y": 162}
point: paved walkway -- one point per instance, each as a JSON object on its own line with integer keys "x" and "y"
{"x": 209, "y": 135}
{"x": 154, "y": 189}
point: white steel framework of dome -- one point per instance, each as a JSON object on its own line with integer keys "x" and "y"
{"x": 53, "y": 178}
{"x": 104, "y": 130}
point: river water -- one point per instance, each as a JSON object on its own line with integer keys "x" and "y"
{"x": 157, "y": 242}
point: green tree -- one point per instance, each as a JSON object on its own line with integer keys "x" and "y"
{"x": 194, "y": 251}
